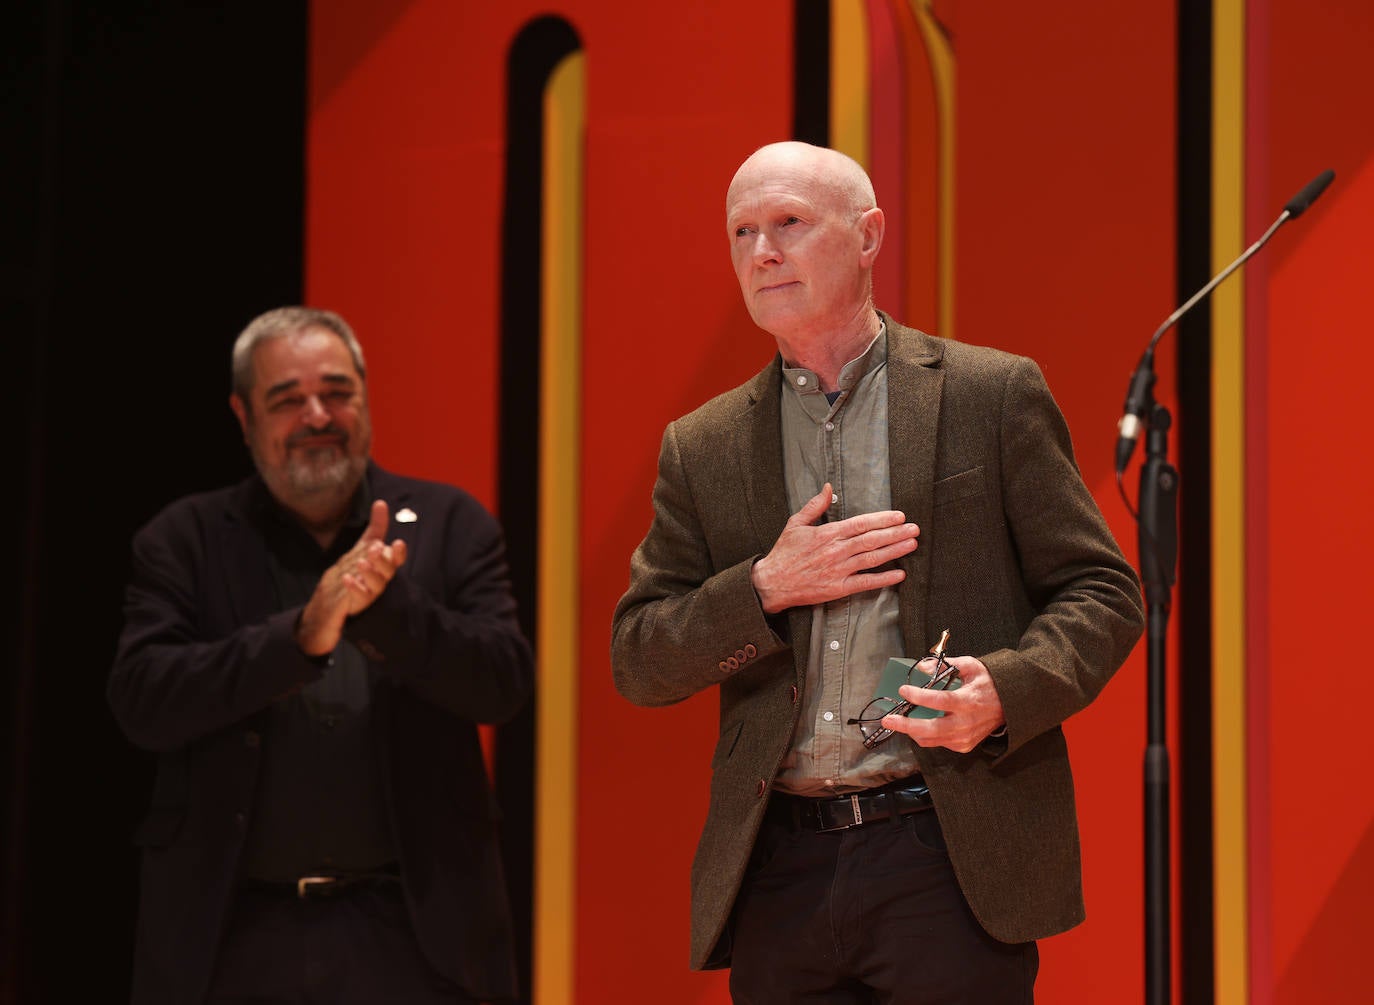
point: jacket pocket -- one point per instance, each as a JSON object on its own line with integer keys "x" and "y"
{"x": 725, "y": 746}
{"x": 964, "y": 485}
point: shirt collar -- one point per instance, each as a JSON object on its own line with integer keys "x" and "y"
{"x": 805, "y": 382}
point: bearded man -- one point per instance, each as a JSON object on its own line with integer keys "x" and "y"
{"x": 309, "y": 652}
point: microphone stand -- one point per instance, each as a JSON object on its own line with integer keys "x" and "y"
{"x": 1157, "y": 525}
{"x": 1158, "y": 543}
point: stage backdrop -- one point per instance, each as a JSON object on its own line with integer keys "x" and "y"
{"x": 1305, "y": 320}
{"x": 1038, "y": 152}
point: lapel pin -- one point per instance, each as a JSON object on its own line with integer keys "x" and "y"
{"x": 406, "y": 515}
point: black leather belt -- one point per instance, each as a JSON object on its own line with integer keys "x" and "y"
{"x": 323, "y": 884}
{"x": 837, "y": 813}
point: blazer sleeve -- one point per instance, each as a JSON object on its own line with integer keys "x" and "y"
{"x": 683, "y": 623}
{"x": 1085, "y": 596}
{"x": 172, "y": 680}
{"x": 457, "y": 645}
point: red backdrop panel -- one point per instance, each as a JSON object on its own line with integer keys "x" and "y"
{"x": 1319, "y": 537}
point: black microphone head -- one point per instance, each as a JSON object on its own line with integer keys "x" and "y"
{"x": 1299, "y": 203}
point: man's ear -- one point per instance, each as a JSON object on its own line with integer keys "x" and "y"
{"x": 872, "y": 224}
{"x": 240, "y": 409}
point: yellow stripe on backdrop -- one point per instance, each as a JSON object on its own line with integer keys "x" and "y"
{"x": 941, "y": 56}
{"x": 1229, "y": 858}
{"x": 560, "y": 409}
{"x": 849, "y": 87}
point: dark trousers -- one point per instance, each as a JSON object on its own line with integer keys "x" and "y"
{"x": 867, "y": 915}
{"x": 353, "y": 947}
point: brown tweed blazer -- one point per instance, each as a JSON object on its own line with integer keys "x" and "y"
{"x": 1014, "y": 557}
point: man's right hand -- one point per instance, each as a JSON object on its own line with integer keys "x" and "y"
{"x": 812, "y": 564}
{"x": 350, "y": 585}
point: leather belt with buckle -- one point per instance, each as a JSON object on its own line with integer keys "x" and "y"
{"x": 837, "y": 813}
{"x": 324, "y": 884}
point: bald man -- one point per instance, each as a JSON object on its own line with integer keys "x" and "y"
{"x": 869, "y": 488}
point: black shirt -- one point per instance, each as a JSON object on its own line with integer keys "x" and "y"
{"x": 320, "y": 805}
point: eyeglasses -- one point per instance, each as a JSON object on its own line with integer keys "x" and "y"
{"x": 940, "y": 677}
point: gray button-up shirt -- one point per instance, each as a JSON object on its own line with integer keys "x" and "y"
{"x": 843, "y": 443}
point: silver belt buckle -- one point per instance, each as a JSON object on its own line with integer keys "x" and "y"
{"x": 304, "y": 884}
{"x": 858, "y": 813}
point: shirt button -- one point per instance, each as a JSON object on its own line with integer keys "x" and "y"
{"x": 829, "y": 716}
{"x": 834, "y": 644}
{"x": 829, "y": 427}
{"x": 801, "y": 381}
{"x": 834, "y": 498}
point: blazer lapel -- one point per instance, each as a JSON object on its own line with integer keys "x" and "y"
{"x": 759, "y": 453}
{"x": 407, "y": 523}
{"x": 915, "y": 384}
{"x": 248, "y": 579}
{"x": 759, "y": 456}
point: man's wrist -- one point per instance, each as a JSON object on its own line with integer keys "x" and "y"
{"x": 309, "y": 641}
{"x": 761, "y": 591}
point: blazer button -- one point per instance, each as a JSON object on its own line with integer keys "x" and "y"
{"x": 252, "y": 739}
{"x": 794, "y": 694}
{"x": 761, "y": 788}
{"x": 751, "y": 650}
{"x": 741, "y": 655}
{"x": 723, "y": 667}
{"x": 732, "y": 663}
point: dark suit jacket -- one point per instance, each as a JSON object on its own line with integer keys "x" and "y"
{"x": 1014, "y": 558}
{"x": 204, "y": 652}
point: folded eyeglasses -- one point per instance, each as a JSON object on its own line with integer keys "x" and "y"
{"x": 942, "y": 676}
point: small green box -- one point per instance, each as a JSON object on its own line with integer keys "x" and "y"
{"x": 901, "y": 670}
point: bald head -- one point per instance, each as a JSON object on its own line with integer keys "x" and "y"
{"x": 826, "y": 173}
{"x": 804, "y": 231}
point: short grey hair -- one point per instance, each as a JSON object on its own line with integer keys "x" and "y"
{"x": 278, "y": 323}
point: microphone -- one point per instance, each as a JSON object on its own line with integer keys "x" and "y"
{"x": 1134, "y": 418}
{"x": 1137, "y": 400}
{"x": 1296, "y": 205}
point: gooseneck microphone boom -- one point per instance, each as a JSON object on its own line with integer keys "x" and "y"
{"x": 1138, "y": 395}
